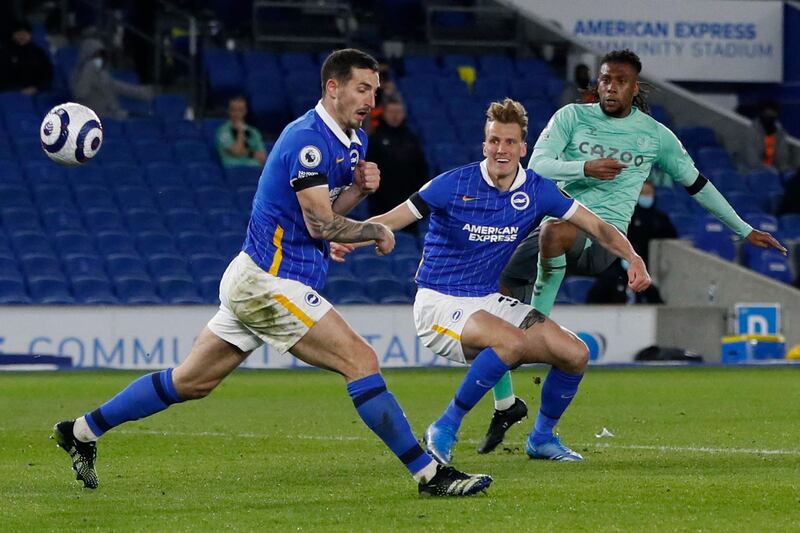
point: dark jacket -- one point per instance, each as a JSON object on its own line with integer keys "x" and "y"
{"x": 24, "y": 66}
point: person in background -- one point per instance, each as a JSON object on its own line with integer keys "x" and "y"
{"x": 92, "y": 85}
{"x": 398, "y": 153}
{"x": 580, "y": 91}
{"x": 648, "y": 222}
{"x": 24, "y": 66}
{"x": 766, "y": 143}
{"x": 238, "y": 143}
{"x": 791, "y": 196}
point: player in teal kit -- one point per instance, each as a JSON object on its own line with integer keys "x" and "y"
{"x": 600, "y": 154}
{"x": 478, "y": 214}
{"x": 314, "y": 175}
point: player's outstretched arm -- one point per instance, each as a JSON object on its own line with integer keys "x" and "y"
{"x": 323, "y": 223}
{"x": 396, "y": 219}
{"x": 613, "y": 239}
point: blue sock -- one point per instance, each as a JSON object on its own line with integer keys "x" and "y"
{"x": 557, "y": 392}
{"x": 146, "y": 396}
{"x": 380, "y": 411}
{"x": 484, "y": 373}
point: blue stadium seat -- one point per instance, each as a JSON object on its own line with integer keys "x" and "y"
{"x": 404, "y": 265}
{"x": 110, "y": 242}
{"x": 210, "y": 197}
{"x": 450, "y": 87}
{"x": 340, "y": 270}
{"x": 10, "y": 172}
{"x": 729, "y": 181}
{"x": 168, "y": 266}
{"x": 93, "y": 197}
{"x": 242, "y": 176}
{"x": 170, "y": 106}
{"x": 140, "y": 129}
{"x": 116, "y": 151}
{"x": 93, "y": 292}
{"x": 245, "y": 195}
{"x": 14, "y": 195}
{"x": 135, "y": 291}
{"x": 762, "y": 222}
{"x": 790, "y": 225}
{"x": 419, "y": 86}
{"x": 169, "y": 198}
{"x": 150, "y": 151}
{"x": 139, "y": 220}
{"x": 151, "y": 243}
{"x": 298, "y": 61}
{"x": 496, "y": 65}
{"x": 10, "y": 268}
{"x": 124, "y": 173}
{"x": 184, "y": 219}
{"x": 661, "y": 114}
{"x": 387, "y": 290}
{"x": 50, "y": 195}
{"x": 103, "y": 218}
{"x": 260, "y": 62}
{"x": 711, "y": 157}
{"x": 84, "y": 266}
{"x": 696, "y": 137}
{"x": 50, "y": 291}
{"x": 44, "y": 173}
{"x": 161, "y": 174}
{"x": 714, "y": 237}
{"x": 113, "y": 129}
{"x": 57, "y": 219}
{"x": 370, "y": 266}
{"x": 489, "y": 89}
{"x": 16, "y": 102}
{"x": 227, "y": 219}
{"x": 36, "y": 267}
{"x": 29, "y": 242}
{"x": 134, "y": 197}
{"x": 182, "y": 129}
{"x": 74, "y": 242}
{"x": 192, "y": 151}
{"x": 345, "y": 291}
{"x": 178, "y": 291}
{"x": 771, "y": 263}
{"x": 86, "y": 175}
{"x": 20, "y": 219}
{"x": 764, "y": 181}
{"x": 208, "y": 266}
{"x": 230, "y": 243}
{"x": 126, "y": 266}
{"x": 192, "y": 242}
{"x": 209, "y": 290}
{"x": 533, "y": 68}
{"x": 578, "y": 287}
{"x": 13, "y": 292}
{"x": 204, "y": 173}
{"x": 420, "y": 64}
{"x": 225, "y": 74}
{"x": 405, "y": 243}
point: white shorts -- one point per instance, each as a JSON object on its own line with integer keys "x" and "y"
{"x": 256, "y": 307}
{"x": 440, "y": 318}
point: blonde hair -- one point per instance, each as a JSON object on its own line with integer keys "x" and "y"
{"x": 509, "y": 112}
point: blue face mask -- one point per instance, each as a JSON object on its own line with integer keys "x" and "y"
{"x": 646, "y": 201}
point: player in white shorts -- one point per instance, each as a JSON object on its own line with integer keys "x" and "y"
{"x": 314, "y": 175}
{"x": 478, "y": 215}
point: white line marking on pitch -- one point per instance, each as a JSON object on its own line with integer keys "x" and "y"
{"x": 661, "y": 448}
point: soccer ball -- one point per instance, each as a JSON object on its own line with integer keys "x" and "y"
{"x": 71, "y": 134}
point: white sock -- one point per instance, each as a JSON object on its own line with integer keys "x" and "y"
{"x": 426, "y": 474}
{"x": 82, "y": 431}
{"x": 505, "y": 403}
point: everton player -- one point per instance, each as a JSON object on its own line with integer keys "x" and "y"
{"x": 314, "y": 175}
{"x": 479, "y": 213}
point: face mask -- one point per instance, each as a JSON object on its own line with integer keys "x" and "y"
{"x": 97, "y": 62}
{"x": 646, "y": 201}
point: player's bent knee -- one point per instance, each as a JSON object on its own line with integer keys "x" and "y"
{"x": 363, "y": 363}
{"x": 579, "y": 357}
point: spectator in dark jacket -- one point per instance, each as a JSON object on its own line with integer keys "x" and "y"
{"x": 24, "y": 66}
{"x": 647, "y": 223}
{"x": 398, "y": 153}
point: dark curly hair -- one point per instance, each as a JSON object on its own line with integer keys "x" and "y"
{"x": 629, "y": 57}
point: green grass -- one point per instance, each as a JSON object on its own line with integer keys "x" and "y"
{"x": 285, "y": 451}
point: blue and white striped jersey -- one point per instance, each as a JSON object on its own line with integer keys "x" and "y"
{"x": 311, "y": 151}
{"x": 474, "y": 227}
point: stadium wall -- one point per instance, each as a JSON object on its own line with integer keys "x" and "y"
{"x": 158, "y": 337}
{"x": 688, "y": 277}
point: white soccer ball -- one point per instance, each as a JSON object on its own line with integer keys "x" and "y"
{"x": 71, "y": 134}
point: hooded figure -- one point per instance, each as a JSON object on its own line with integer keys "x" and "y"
{"x": 766, "y": 144}
{"x": 23, "y": 65}
{"x": 92, "y": 85}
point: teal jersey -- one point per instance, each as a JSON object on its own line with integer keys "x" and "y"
{"x": 582, "y": 132}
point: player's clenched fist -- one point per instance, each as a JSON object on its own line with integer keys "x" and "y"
{"x": 367, "y": 177}
{"x": 638, "y": 277}
{"x": 603, "y": 169}
{"x": 384, "y": 244}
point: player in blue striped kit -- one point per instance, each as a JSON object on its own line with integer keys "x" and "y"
{"x": 314, "y": 175}
{"x": 479, "y": 213}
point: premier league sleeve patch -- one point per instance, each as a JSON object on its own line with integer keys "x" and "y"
{"x": 310, "y": 156}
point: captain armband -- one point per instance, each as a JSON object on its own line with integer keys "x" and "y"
{"x": 697, "y": 186}
{"x": 418, "y": 206}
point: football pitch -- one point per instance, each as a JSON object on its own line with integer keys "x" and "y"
{"x": 709, "y": 449}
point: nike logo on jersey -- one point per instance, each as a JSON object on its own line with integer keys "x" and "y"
{"x": 468, "y": 198}
{"x": 339, "y": 160}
